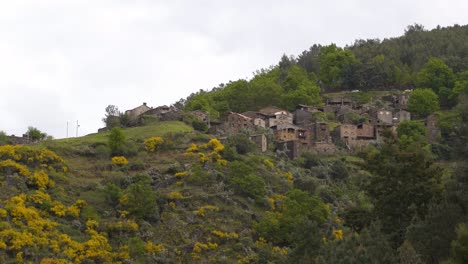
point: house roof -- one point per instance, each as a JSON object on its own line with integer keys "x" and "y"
{"x": 240, "y": 115}
{"x": 271, "y": 110}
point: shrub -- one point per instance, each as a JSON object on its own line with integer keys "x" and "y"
{"x": 245, "y": 182}
{"x": 116, "y": 141}
{"x": 119, "y": 160}
{"x": 241, "y": 143}
{"x": 153, "y": 143}
{"x": 199, "y": 125}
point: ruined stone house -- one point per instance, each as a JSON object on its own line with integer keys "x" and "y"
{"x": 137, "y": 111}
{"x": 321, "y": 132}
{"x": 260, "y": 141}
{"x": 401, "y": 100}
{"x": 384, "y": 117}
{"x": 236, "y": 123}
{"x": 202, "y": 116}
{"x": 433, "y": 130}
{"x": 288, "y": 132}
{"x": 339, "y": 101}
{"x": 276, "y": 116}
{"x": 14, "y": 140}
{"x": 165, "y": 113}
{"x": 402, "y": 115}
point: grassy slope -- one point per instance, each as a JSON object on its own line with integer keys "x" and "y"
{"x": 151, "y": 130}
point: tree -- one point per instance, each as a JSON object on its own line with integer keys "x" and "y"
{"x": 411, "y": 129}
{"x": 334, "y": 62}
{"x": 423, "y": 102}
{"x": 4, "y": 140}
{"x": 116, "y": 141}
{"x": 435, "y": 74}
{"x": 111, "y": 119}
{"x": 296, "y": 210}
{"x": 35, "y": 134}
{"x": 404, "y": 181}
{"x": 460, "y": 245}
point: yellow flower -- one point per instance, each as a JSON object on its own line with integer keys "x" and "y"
{"x": 119, "y": 160}
{"x": 338, "y": 234}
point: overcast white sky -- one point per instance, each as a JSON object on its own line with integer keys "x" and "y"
{"x": 66, "y": 60}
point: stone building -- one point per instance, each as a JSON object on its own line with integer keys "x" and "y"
{"x": 236, "y": 123}
{"x": 384, "y": 117}
{"x": 261, "y": 141}
{"x": 401, "y": 100}
{"x": 202, "y": 116}
{"x": 14, "y": 140}
{"x": 433, "y": 130}
{"x": 339, "y": 101}
{"x": 292, "y": 148}
{"x": 276, "y": 116}
{"x": 165, "y": 113}
{"x": 402, "y": 115}
{"x": 365, "y": 131}
{"x": 348, "y": 134}
{"x": 321, "y": 132}
{"x": 288, "y": 132}
{"x": 135, "y": 112}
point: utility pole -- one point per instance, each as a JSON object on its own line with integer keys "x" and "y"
{"x": 77, "y": 126}
{"x": 67, "y": 129}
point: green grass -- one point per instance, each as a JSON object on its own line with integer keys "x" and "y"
{"x": 143, "y": 132}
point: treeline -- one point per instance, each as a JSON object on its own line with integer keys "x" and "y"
{"x": 435, "y": 59}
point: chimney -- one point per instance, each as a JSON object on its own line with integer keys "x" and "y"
{"x": 144, "y": 103}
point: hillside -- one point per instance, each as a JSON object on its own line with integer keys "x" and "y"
{"x": 220, "y": 183}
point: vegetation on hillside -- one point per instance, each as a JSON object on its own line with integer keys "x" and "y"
{"x": 166, "y": 193}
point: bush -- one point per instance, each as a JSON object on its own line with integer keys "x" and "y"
{"x": 153, "y": 143}
{"x": 199, "y": 125}
{"x": 243, "y": 181}
{"x": 241, "y": 143}
{"x": 119, "y": 160}
{"x": 116, "y": 141}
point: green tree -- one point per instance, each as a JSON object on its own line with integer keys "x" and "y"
{"x": 116, "y": 141}
{"x": 423, "y": 102}
{"x": 241, "y": 143}
{"x": 35, "y": 134}
{"x": 460, "y": 245}
{"x": 112, "y": 117}
{"x": 4, "y": 140}
{"x": 412, "y": 129}
{"x": 435, "y": 74}
{"x": 140, "y": 201}
{"x": 334, "y": 62}
{"x": 296, "y": 210}
{"x": 404, "y": 180}
{"x": 244, "y": 181}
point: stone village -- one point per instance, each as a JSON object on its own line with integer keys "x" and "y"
{"x": 341, "y": 124}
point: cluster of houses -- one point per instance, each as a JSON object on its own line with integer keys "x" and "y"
{"x": 349, "y": 126}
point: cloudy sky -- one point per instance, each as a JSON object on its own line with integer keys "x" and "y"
{"x": 66, "y": 60}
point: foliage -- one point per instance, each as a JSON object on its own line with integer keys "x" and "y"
{"x": 297, "y": 208}
{"x": 4, "y": 140}
{"x": 241, "y": 143}
{"x": 111, "y": 119}
{"x": 153, "y": 143}
{"x": 460, "y": 245}
{"x": 116, "y": 141}
{"x": 119, "y": 160}
{"x": 423, "y": 102}
{"x": 404, "y": 180}
{"x": 35, "y": 134}
{"x": 412, "y": 129}
{"x": 435, "y": 74}
{"x": 243, "y": 181}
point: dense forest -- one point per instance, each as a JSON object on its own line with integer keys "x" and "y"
{"x": 435, "y": 59}
{"x": 169, "y": 192}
